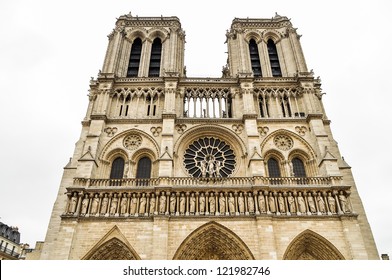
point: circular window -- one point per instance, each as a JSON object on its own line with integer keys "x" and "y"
{"x": 209, "y": 158}
{"x": 132, "y": 142}
{"x": 283, "y": 142}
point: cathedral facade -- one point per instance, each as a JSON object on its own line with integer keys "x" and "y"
{"x": 239, "y": 167}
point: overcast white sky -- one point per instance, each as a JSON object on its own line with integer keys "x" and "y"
{"x": 50, "y": 49}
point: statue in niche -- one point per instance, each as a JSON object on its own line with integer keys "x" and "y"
{"x": 211, "y": 167}
{"x": 143, "y": 202}
{"x": 192, "y": 203}
{"x": 94, "y": 205}
{"x": 222, "y": 202}
{"x": 343, "y": 202}
{"x": 251, "y": 203}
{"x": 331, "y": 203}
{"x": 104, "y": 205}
{"x": 203, "y": 168}
{"x": 182, "y": 203}
{"x": 218, "y": 166}
{"x": 321, "y": 203}
{"x": 113, "y": 205}
{"x": 271, "y": 203}
{"x": 241, "y": 203}
{"x": 133, "y": 204}
{"x": 123, "y": 204}
{"x": 211, "y": 201}
{"x": 301, "y": 203}
{"x": 231, "y": 203}
{"x": 84, "y": 205}
{"x": 291, "y": 202}
{"x": 312, "y": 206}
{"x": 162, "y": 203}
{"x": 72, "y": 204}
{"x": 173, "y": 203}
{"x": 282, "y": 207}
{"x": 152, "y": 204}
{"x": 261, "y": 200}
{"x": 202, "y": 203}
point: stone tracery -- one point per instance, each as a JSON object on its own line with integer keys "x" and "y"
{"x": 209, "y": 157}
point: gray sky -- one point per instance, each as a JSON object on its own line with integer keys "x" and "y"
{"x": 50, "y": 49}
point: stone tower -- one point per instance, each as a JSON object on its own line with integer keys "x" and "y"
{"x": 238, "y": 167}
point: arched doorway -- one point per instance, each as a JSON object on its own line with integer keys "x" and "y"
{"x": 113, "y": 249}
{"x": 309, "y": 245}
{"x": 213, "y": 241}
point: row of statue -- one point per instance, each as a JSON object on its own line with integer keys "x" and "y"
{"x": 208, "y": 203}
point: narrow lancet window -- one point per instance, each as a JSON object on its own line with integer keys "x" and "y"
{"x": 274, "y": 59}
{"x": 298, "y": 167}
{"x": 155, "y": 59}
{"x": 254, "y": 58}
{"x": 134, "y": 58}
{"x": 273, "y": 168}
{"x": 117, "y": 171}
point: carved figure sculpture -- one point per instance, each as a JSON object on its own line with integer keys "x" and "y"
{"x": 211, "y": 201}
{"x": 94, "y": 205}
{"x": 291, "y": 203}
{"x": 222, "y": 201}
{"x": 251, "y": 203}
{"x": 261, "y": 200}
{"x": 331, "y": 203}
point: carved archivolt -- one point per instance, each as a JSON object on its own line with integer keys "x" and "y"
{"x": 113, "y": 246}
{"x": 213, "y": 241}
{"x": 311, "y": 246}
{"x": 217, "y": 131}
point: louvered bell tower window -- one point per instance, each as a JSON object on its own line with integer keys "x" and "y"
{"x": 274, "y": 59}
{"x": 254, "y": 58}
{"x": 134, "y": 58}
{"x": 155, "y": 60}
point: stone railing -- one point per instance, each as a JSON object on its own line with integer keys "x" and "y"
{"x": 300, "y": 200}
{"x": 208, "y": 182}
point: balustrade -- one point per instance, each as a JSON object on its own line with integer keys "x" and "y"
{"x": 207, "y": 182}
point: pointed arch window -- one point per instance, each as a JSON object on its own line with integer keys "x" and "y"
{"x": 273, "y": 168}
{"x": 298, "y": 167}
{"x": 134, "y": 58}
{"x": 144, "y": 168}
{"x": 117, "y": 171}
{"x": 254, "y": 58}
{"x": 274, "y": 59}
{"x": 155, "y": 59}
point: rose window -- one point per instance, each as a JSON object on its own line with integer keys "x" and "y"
{"x": 209, "y": 158}
{"x": 283, "y": 142}
{"x": 133, "y": 141}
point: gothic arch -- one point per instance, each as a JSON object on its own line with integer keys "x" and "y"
{"x": 160, "y": 33}
{"x": 132, "y": 34}
{"x": 113, "y": 246}
{"x": 115, "y": 142}
{"x": 255, "y": 35}
{"x": 309, "y": 245}
{"x": 273, "y": 35}
{"x": 213, "y": 241}
{"x": 302, "y": 144}
{"x": 210, "y": 130}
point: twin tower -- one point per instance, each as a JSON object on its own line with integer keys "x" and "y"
{"x": 242, "y": 166}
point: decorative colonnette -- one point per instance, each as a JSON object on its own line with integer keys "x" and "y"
{"x": 208, "y": 200}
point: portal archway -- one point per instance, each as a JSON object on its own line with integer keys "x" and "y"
{"x": 309, "y": 245}
{"x": 213, "y": 241}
